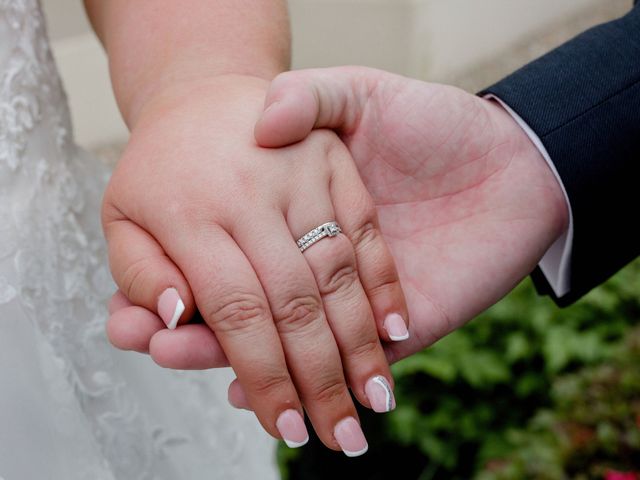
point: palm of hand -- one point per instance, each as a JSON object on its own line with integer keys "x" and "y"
{"x": 466, "y": 210}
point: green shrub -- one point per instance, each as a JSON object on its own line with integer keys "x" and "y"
{"x": 512, "y": 395}
{"x": 592, "y": 428}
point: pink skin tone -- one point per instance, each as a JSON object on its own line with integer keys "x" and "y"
{"x": 462, "y": 195}
{"x": 194, "y": 203}
{"x": 200, "y": 220}
{"x": 278, "y": 314}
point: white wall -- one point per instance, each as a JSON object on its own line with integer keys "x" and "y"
{"x": 454, "y": 34}
{"x": 429, "y": 39}
{"x": 85, "y": 73}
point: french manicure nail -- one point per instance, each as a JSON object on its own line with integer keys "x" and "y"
{"x": 380, "y": 394}
{"x": 395, "y": 327}
{"x": 350, "y": 437}
{"x": 291, "y": 426}
{"x": 170, "y": 307}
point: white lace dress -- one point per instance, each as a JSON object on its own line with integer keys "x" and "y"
{"x": 71, "y": 406}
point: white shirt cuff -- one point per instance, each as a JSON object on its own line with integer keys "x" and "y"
{"x": 556, "y": 262}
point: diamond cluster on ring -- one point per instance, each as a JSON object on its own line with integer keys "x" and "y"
{"x": 329, "y": 229}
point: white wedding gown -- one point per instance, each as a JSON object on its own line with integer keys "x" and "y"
{"x": 71, "y": 406}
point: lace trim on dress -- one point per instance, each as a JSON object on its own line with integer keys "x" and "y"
{"x": 46, "y": 204}
{"x": 51, "y": 237}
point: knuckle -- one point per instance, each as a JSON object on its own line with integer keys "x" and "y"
{"x": 365, "y": 349}
{"x": 298, "y": 313}
{"x": 110, "y": 214}
{"x": 340, "y": 279}
{"x": 268, "y": 384}
{"x": 329, "y": 391}
{"x": 237, "y": 312}
{"x": 134, "y": 276}
{"x": 365, "y": 234}
{"x": 106, "y": 210}
{"x": 386, "y": 282}
{"x": 188, "y": 213}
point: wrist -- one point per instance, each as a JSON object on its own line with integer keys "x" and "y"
{"x": 214, "y": 91}
{"x": 542, "y": 174}
{"x": 152, "y": 45}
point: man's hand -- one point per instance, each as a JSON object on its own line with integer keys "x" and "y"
{"x": 466, "y": 202}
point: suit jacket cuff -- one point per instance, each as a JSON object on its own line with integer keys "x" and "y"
{"x": 555, "y": 263}
{"x": 582, "y": 101}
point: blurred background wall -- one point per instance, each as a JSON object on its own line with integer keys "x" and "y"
{"x": 465, "y": 42}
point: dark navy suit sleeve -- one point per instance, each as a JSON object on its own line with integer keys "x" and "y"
{"x": 583, "y": 101}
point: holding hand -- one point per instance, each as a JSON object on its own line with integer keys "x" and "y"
{"x": 195, "y": 208}
{"x": 466, "y": 202}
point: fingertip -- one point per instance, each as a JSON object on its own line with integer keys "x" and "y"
{"x": 396, "y": 351}
{"x": 282, "y": 124}
{"x": 117, "y": 302}
{"x": 291, "y": 111}
{"x": 237, "y": 397}
{"x": 189, "y": 347}
{"x": 131, "y": 328}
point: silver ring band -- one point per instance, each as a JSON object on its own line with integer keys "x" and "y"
{"x": 329, "y": 229}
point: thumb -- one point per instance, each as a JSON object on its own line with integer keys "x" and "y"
{"x": 299, "y": 101}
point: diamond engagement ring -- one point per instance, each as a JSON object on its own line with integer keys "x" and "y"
{"x": 329, "y": 229}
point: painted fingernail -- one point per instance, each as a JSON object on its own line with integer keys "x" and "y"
{"x": 395, "y": 327}
{"x": 350, "y": 437}
{"x": 291, "y": 426}
{"x": 380, "y": 394}
{"x": 170, "y": 307}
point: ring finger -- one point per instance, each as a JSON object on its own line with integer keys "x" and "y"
{"x": 333, "y": 263}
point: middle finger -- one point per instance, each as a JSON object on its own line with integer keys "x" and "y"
{"x": 310, "y": 348}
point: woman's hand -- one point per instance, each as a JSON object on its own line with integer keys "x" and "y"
{"x": 199, "y": 218}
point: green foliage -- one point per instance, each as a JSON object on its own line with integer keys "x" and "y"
{"x": 593, "y": 425}
{"x": 468, "y": 400}
{"x": 526, "y": 390}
